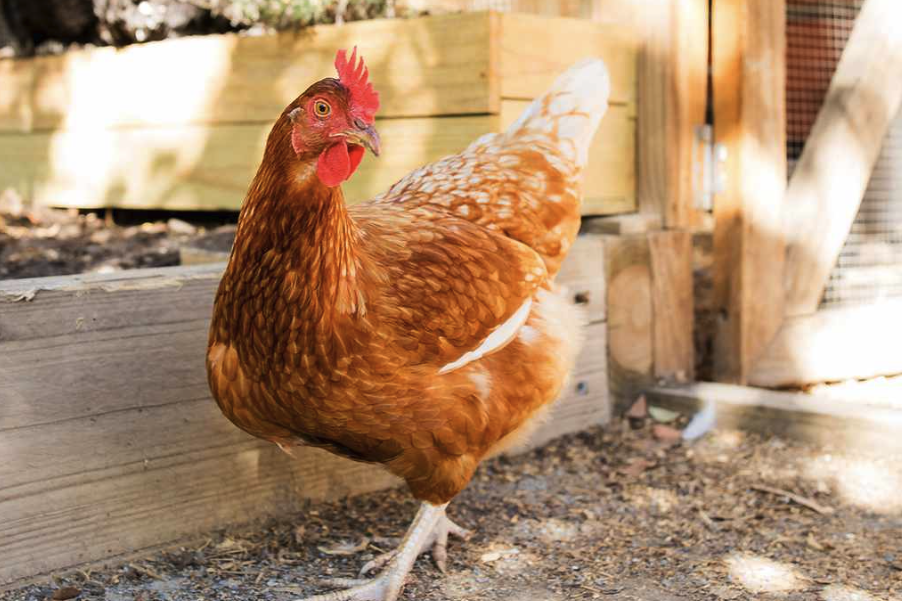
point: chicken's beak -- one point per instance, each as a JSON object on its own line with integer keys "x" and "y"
{"x": 367, "y": 137}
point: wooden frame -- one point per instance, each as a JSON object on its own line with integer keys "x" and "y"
{"x": 185, "y": 125}
{"x": 111, "y": 443}
{"x": 775, "y": 248}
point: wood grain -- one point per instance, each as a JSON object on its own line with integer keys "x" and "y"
{"x": 672, "y": 82}
{"x": 672, "y": 296}
{"x": 122, "y": 448}
{"x": 750, "y": 119}
{"x": 835, "y": 167}
{"x": 536, "y": 49}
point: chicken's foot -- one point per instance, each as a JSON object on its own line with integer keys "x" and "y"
{"x": 429, "y": 530}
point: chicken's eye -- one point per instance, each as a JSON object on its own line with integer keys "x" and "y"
{"x": 322, "y": 108}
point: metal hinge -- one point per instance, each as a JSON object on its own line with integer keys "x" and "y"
{"x": 709, "y": 174}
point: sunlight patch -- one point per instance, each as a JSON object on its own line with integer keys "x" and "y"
{"x": 870, "y": 484}
{"x": 762, "y": 575}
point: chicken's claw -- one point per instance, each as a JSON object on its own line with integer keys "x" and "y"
{"x": 429, "y": 531}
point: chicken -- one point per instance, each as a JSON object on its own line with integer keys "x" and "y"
{"x": 421, "y": 330}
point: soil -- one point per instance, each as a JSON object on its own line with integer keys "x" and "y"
{"x": 611, "y": 513}
{"x": 40, "y": 242}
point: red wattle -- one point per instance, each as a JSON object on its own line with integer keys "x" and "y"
{"x": 355, "y": 153}
{"x": 334, "y": 164}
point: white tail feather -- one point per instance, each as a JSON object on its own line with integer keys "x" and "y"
{"x": 571, "y": 109}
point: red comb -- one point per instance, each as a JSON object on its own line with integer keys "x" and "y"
{"x": 353, "y": 75}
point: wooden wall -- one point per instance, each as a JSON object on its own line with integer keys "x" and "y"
{"x": 181, "y": 124}
{"x": 110, "y": 442}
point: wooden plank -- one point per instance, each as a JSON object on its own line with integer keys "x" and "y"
{"x": 425, "y": 66}
{"x": 833, "y": 345}
{"x": 16, "y": 106}
{"x": 209, "y": 168}
{"x": 672, "y": 294}
{"x": 819, "y": 420}
{"x": 749, "y": 92}
{"x": 673, "y": 72}
{"x": 438, "y": 65}
{"x": 583, "y": 275}
{"x": 535, "y": 50}
{"x": 833, "y": 172}
{"x": 133, "y": 452}
{"x": 610, "y": 177}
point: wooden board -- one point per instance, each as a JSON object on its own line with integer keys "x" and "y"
{"x": 833, "y": 345}
{"x": 210, "y": 167}
{"x": 672, "y": 294}
{"x": 610, "y": 177}
{"x": 440, "y": 65}
{"x": 122, "y": 449}
{"x": 819, "y": 420}
{"x": 534, "y": 50}
{"x": 749, "y": 93}
{"x": 835, "y": 167}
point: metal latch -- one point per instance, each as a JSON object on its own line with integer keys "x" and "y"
{"x": 709, "y": 174}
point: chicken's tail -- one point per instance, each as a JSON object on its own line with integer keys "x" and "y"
{"x": 571, "y": 110}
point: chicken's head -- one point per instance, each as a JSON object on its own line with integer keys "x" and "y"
{"x": 332, "y": 122}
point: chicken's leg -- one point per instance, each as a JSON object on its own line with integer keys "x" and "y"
{"x": 430, "y": 528}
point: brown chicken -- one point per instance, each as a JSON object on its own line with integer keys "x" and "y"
{"x": 420, "y": 330}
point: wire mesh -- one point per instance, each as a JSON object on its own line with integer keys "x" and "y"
{"x": 869, "y": 267}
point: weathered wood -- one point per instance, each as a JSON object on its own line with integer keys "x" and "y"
{"x": 819, "y": 420}
{"x": 122, "y": 448}
{"x": 673, "y": 71}
{"x": 610, "y": 179}
{"x": 750, "y": 104}
{"x": 833, "y": 345}
{"x": 583, "y": 274}
{"x": 535, "y": 50}
{"x": 209, "y": 168}
{"x": 428, "y": 66}
{"x": 672, "y": 294}
{"x": 833, "y": 172}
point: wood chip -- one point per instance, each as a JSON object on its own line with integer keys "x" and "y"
{"x": 345, "y": 548}
{"x": 798, "y": 499}
{"x": 66, "y": 592}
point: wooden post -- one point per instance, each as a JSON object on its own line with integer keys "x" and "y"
{"x": 673, "y": 69}
{"x": 835, "y": 167}
{"x": 749, "y": 48}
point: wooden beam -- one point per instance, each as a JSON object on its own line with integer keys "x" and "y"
{"x": 750, "y": 104}
{"x": 833, "y": 345}
{"x": 673, "y": 76}
{"x": 818, "y": 420}
{"x": 122, "y": 449}
{"x": 672, "y": 294}
{"x": 833, "y": 172}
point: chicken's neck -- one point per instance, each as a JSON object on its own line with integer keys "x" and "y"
{"x": 296, "y": 236}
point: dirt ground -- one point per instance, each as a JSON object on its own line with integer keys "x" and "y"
{"x": 40, "y": 242}
{"x": 608, "y": 514}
